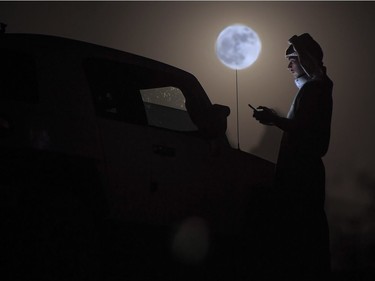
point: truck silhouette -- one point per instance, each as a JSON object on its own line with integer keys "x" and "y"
{"x": 117, "y": 167}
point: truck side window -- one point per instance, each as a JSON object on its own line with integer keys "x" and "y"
{"x": 115, "y": 95}
{"x": 18, "y": 79}
{"x": 165, "y": 108}
{"x": 136, "y": 94}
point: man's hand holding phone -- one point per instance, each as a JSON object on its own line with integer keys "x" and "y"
{"x": 264, "y": 115}
{"x": 252, "y": 107}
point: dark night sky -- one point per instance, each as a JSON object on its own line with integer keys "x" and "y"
{"x": 183, "y": 34}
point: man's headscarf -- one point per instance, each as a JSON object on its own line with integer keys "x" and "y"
{"x": 309, "y": 53}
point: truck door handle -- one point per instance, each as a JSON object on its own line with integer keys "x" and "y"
{"x": 164, "y": 150}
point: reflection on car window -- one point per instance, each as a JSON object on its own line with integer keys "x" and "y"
{"x": 165, "y": 108}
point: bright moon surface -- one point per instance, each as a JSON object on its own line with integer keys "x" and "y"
{"x": 238, "y": 46}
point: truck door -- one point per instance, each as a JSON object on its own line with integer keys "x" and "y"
{"x": 156, "y": 160}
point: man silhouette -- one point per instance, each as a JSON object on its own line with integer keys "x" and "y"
{"x": 302, "y": 241}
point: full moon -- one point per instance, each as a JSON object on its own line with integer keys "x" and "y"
{"x": 238, "y": 46}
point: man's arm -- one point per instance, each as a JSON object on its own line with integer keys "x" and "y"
{"x": 305, "y": 117}
{"x": 269, "y": 117}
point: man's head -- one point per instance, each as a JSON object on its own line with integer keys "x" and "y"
{"x": 308, "y": 53}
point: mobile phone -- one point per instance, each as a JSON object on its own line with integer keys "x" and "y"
{"x": 253, "y": 107}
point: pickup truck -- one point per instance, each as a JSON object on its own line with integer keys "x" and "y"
{"x": 114, "y": 166}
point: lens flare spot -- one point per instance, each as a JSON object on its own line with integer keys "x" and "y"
{"x": 190, "y": 243}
